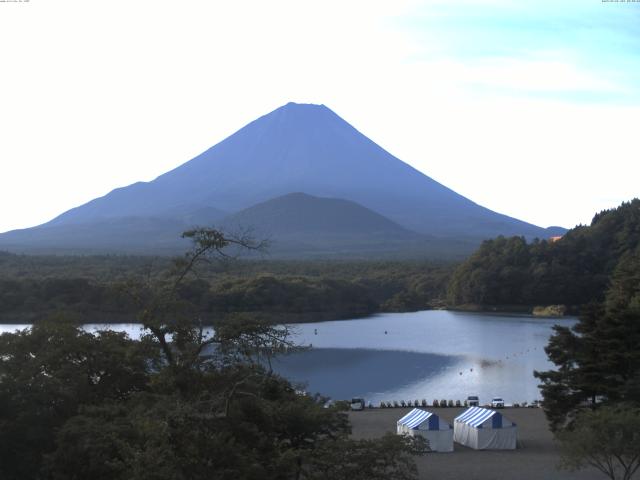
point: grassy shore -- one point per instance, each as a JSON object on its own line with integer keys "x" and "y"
{"x": 546, "y": 311}
{"x": 536, "y": 458}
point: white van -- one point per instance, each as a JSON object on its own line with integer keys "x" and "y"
{"x": 473, "y": 401}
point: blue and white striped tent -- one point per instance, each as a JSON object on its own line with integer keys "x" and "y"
{"x": 430, "y": 426}
{"x": 482, "y": 429}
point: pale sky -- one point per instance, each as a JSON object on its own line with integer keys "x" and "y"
{"x": 530, "y": 108}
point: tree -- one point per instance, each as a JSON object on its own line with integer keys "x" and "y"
{"x": 184, "y": 403}
{"x": 387, "y": 457}
{"x": 573, "y": 271}
{"x": 48, "y": 373}
{"x": 607, "y": 439}
{"x": 598, "y": 359}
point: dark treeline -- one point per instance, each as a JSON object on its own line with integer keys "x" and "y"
{"x": 95, "y": 288}
{"x": 573, "y": 271}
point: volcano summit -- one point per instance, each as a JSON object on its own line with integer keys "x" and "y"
{"x": 297, "y": 148}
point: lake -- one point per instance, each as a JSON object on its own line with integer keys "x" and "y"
{"x": 434, "y": 354}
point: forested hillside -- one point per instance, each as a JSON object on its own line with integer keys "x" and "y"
{"x": 573, "y": 271}
{"x": 95, "y": 289}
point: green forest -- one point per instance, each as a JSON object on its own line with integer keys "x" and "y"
{"x": 572, "y": 271}
{"x": 95, "y": 289}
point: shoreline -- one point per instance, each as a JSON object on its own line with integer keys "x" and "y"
{"x": 310, "y": 317}
{"x": 540, "y": 311}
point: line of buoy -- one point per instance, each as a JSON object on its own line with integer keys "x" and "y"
{"x": 435, "y": 404}
{"x": 507, "y": 357}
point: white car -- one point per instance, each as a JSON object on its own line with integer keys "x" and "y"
{"x": 497, "y": 402}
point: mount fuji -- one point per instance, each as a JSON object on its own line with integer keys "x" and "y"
{"x": 298, "y": 148}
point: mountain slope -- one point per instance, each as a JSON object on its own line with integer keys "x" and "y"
{"x": 132, "y": 234}
{"x": 301, "y": 215}
{"x": 305, "y": 148}
{"x": 301, "y": 225}
{"x": 295, "y": 148}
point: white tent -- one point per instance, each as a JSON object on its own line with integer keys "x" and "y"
{"x": 484, "y": 429}
{"x": 428, "y": 425}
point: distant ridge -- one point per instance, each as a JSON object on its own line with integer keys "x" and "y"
{"x": 295, "y": 148}
{"x": 302, "y": 215}
{"x": 298, "y": 224}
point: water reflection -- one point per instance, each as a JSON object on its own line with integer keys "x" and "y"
{"x": 431, "y": 354}
{"x": 343, "y": 373}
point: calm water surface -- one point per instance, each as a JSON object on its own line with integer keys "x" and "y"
{"x": 431, "y": 354}
{"x": 407, "y": 356}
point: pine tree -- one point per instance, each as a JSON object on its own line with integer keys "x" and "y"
{"x": 598, "y": 359}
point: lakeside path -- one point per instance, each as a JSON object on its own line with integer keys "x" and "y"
{"x": 536, "y": 458}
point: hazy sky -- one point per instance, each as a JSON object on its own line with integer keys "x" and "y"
{"x": 530, "y": 108}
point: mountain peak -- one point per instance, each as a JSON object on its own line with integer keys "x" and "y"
{"x": 300, "y": 147}
{"x": 306, "y": 106}
{"x": 303, "y": 112}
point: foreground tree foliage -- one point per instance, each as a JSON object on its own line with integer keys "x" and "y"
{"x": 47, "y": 374}
{"x": 607, "y": 439}
{"x": 182, "y": 403}
{"x": 598, "y": 360}
{"x": 592, "y": 400}
{"x": 389, "y": 457}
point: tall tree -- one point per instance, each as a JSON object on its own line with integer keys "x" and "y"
{"x": 598, "y": 359}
